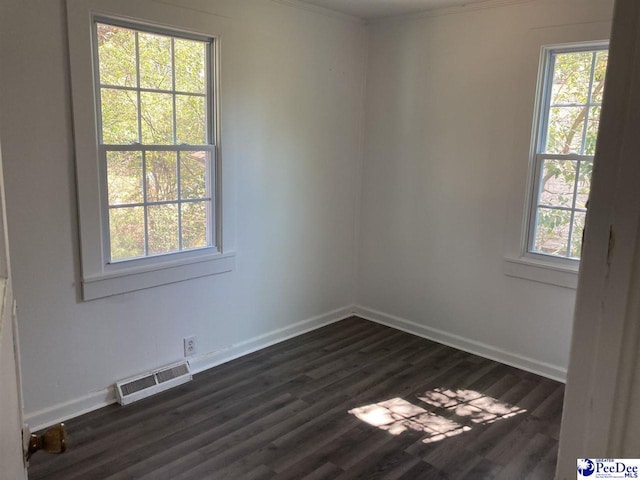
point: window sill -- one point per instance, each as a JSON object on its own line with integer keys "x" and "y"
{"x": 540, "y": 271}
{"x": 131, "y": 280}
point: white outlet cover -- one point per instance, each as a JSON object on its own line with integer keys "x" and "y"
{"x": 190, "y": 346}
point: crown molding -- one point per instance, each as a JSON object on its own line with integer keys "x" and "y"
{"x": 187, "y": 7}
{"x": 328, "y": 12}
{"x": 322, "y": 11}
{"x": 453, "y": 10}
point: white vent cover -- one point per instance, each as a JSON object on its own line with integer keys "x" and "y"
{"x": 147, "y": 384}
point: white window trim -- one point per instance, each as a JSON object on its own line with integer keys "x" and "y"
{"x": 562, "y": 272}
{"x": 100, "y": 278}
{"x": 541, "y": 271}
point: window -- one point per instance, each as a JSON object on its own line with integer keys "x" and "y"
{"x": 155, "y": 140}
{"x": 570, "y": 100}
{"x": 145, "y": 95}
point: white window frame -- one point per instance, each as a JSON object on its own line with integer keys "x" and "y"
{"x": 538, "y": 145}
{"x": 100, "y": 277}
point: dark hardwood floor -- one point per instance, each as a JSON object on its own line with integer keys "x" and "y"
{"x": 351, "y": 400}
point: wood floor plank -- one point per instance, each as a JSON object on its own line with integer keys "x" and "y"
{"x": 537, "y": 448}
{"x": 388, "y": 461}
{"x": 178, "y": 444}
{"x": 423, "y": 471}
{"x": 360, "y": 443}
{"x": 261, "y": 472}
{"x": 514, "y": 443}
{"x": 299, "y": 423}
{"x": 456, "y": 462}
{"x": 546, "y": 467}
{"x": 325, "y": 472}
{"x": 486, "y": 470}
{"x": 287, "y": 412}
{"x": 215, "y": 439}
{"x": 309, "y": 464}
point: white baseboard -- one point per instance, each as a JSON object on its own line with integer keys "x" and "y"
{"x": 64, "y": 411}
{"x": 547, "y": 370}
{"x": 95, "y": 400}
{"x": 213, "y": 359}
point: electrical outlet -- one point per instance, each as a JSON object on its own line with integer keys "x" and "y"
{"x": 189, "y": 346}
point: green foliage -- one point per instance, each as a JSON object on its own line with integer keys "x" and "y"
{"x": 574, "y": 118}
{"x": 191, "y": 114}
{"x": 571, "y": 78}
{"x": 156, "y": 112}
{"x": 124, "y": 176}
{"x": 163, "y": 228}
{"x": 193, "y": 175}
{"x": 119, "y": 116}
{"x": 592, "y": 131}
{"x": 552, "y": 232}
{"x": 162, "y": 176}
{"x": 578, "y": 229}
{"x": 558, "y": 183}
{"x": 190, "y": 66}
{"x": 194, "y": 225}
{"x": 117, "y": 56}
{"x": 155, "y": 61}
{"x": 126, "y": 227}
{"x": 162, "y": 106}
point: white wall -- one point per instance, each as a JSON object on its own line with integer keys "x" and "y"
{"x": 291, "y": 127}
{"x": 449, "y": 114}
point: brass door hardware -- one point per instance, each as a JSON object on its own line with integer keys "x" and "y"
{"x": 54, "y": 440}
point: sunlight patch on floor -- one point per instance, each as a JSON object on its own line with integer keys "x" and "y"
{"x": 477, "y": 407}
{"x": 463, "y": 409}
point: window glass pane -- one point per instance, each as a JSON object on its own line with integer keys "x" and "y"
{"x": 576, "y": 235}
{"x": 584, "y": 184}
{"x": 552, "y": 231}
{"x": 157, "y": 118}
{"x": 126, "y": 229}
{"x": 557, "y": 183}
{"x": 571, "y": 78}
{"x": 602, "y": 57}
{"x": 191, "y": 119}
{"x": 193, "y": 174}
{"x": 119, "y": 116}
{"x": 142, "y": 72}
{"x": 564, "y": 132}
{"x": 194, "y": 225}
{"x": 155, "y": 61}
{"x": 124, "y": 177}
{"x": 117, "y": 55}
{"x": 592, "y": 131}
{"x": 163, "y": 228}
{"x": 190, "y": 57}
{"x": 162, "y": 176}
{"x": 571, "y": 110}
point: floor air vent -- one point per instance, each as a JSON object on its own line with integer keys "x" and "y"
{"x": 150, "y": 383}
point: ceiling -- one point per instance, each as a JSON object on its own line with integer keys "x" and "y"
{"x": 372, "y": 9}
